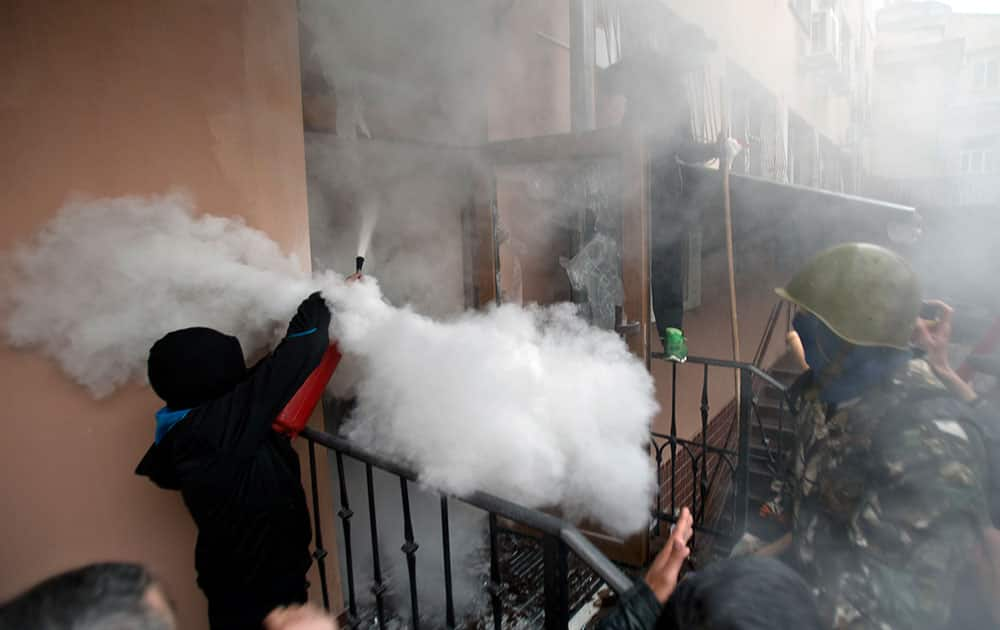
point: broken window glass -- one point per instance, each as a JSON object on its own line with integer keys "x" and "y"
{"x": 562, "y": 235}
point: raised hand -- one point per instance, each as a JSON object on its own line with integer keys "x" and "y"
{"x": 666, "y": 567}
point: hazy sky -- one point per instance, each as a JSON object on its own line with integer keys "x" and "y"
{"x": 976, "y": 6}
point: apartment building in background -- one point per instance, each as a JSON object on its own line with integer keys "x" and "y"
{"x": 937, "y": 105}
{"x": 935, "y": 137}
{"x": 797, "y": 79}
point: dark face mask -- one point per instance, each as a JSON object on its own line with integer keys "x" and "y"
{"x": 189, "y": 367}
{"x": 843, "y": 370}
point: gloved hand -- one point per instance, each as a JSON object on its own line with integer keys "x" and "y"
{"x": 313, "y": 313}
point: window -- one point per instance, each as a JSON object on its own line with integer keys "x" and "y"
{"x": 986, "y": 74}
{"x": 847, "y": 57}
{"x": 602, "y": 48}
{"x": 824, "y": 35}
{"x": 978, "y": 161}
{"x": 607, "y": 34}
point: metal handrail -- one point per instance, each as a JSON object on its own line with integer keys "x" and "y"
{"x": 765, "y": 340}
{"x": 549, "y": 525}
{"x": 727, "y": 363}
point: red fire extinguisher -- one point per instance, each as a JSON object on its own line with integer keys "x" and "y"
{"x": 294, "y": 417}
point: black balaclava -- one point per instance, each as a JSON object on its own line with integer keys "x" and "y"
{"x": 192, "y": 366}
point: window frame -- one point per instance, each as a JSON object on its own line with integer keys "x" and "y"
{"x": 985, "y": 74}
{"x": 978, "y": 161}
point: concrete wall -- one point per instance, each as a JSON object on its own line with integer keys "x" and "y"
{"x": 529, "y": 86}
{"x": 116, "y": 98}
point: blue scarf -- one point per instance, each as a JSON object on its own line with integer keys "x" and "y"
{"x": 858, "y": 367}
{"x": 166, "y": 419}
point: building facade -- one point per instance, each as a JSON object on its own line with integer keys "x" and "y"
{"x": 935, "y": 138}
{"x": 937, "y": 105}
{"x": 797, "y": 79}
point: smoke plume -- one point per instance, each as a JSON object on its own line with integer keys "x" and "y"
{"x": 530, "y": 404}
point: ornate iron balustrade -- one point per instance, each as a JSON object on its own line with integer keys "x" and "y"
{"x": 558, "y": 539}
{"x": 715, "y": 465}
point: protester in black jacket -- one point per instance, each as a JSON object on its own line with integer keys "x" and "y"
{"x": 240, "y": 479}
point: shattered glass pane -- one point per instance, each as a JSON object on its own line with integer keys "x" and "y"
{"x": 596, "y": 272}
{"x": 563, "y": 216}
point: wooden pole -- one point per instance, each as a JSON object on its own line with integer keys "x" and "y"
{"x": 728, "y": 207}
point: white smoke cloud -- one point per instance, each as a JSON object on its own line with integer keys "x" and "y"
{"x": 530, "y": 404}
{"x": 106, "y": 278}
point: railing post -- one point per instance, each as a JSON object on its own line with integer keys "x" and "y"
{"x": 659, "y": 487}
{"x": 699, "y": 494}
{"x": 494, "y": 587}
{"x": 449, "y": 607}
{"x": 409, "y": 548}
{"x": 556, "y": 583}
{"x": 743, "y": 466}
{"x": 780, "y": 464}
{"x": 320, "y": 553}
{"x": 345, "y": 513}
{"x": 673, "y": 442}
{"x": 379, "y": 587}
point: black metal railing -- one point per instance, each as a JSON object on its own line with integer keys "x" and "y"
{"x": 558, "y": 539}
{"x": 716, "y": 470}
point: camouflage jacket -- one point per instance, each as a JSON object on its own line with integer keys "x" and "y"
{"x": 887, "y": 501}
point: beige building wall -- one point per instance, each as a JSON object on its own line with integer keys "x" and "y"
{"x": 121, "y": 98}
{"x": 530, "y": 81}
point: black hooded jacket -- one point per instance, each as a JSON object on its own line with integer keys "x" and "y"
{"x": 239, "y": 478}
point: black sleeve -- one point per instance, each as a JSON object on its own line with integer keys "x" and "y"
{"x": 242, "y": 419}
{"x": 697, "y": 152}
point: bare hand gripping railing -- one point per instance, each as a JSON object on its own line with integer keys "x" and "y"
{"x": 558, "y": 538}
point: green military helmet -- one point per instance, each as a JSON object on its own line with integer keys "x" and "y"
{"x": 866, "y": 294}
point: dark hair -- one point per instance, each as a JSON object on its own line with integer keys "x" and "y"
{"x": 742, "y": 594}
{"x": 109, "y": 596}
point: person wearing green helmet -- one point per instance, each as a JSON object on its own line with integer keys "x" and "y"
{"x": 886, "y": 482}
